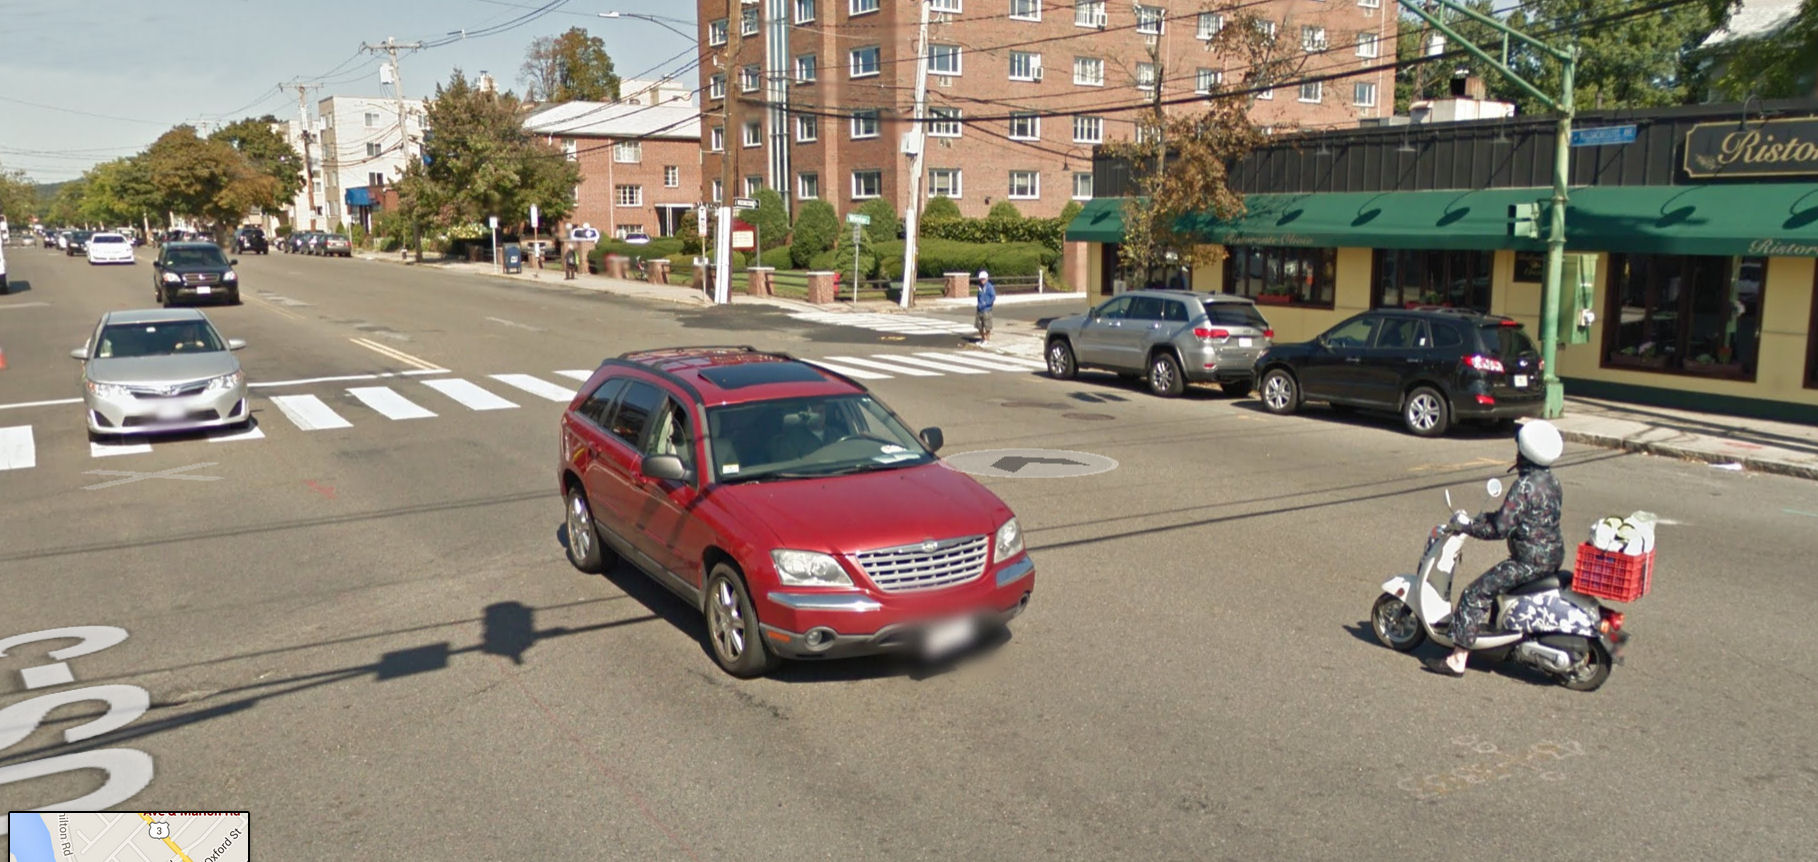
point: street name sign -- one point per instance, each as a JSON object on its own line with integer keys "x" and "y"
{"x": 1603, "y": 136}
{"x": 857, "y": 218}
{"x": 584, "y": 234}
{"x": 744, "y": 203}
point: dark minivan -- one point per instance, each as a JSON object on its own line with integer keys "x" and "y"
{"x": 1433, "y": 366}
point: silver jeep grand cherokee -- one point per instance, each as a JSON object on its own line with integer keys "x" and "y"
{"x": 1169, "y": 337}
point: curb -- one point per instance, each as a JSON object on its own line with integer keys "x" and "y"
{"x": 1667, "y": 450}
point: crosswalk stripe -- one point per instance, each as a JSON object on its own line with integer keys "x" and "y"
{"x": 994, "y": 363}
{"x": 904, "y": 370}
{"x": 103, "y": 450}
{"x": 17, "y": 450}
{"x": 472, "y": 397}
{"x": 576, "y": 374}
{"x": 849, "y": 371}
{"x": 253, "y": 433}
{"x": 536, "y": 386}
{"x": 308, "y": 412}
{"x": 929, "y": 363}
{"x": 389, "y": 403}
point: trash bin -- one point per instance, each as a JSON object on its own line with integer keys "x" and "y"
{"x": 514, "y": 258}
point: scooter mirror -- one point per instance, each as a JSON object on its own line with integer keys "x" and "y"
{"x": 1449, "y": 498}
{"x": 1494, "y": 487}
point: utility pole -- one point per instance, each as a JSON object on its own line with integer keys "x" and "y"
{"x": 916, "y": 141}
{"x": 732, "y": 140}
{"x": 309, "y": 173}
{"x": 390, "y": 48}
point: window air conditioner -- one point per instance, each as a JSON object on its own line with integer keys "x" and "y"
{"x": 1037, "y": 76}
{"x": 944, "y": 80}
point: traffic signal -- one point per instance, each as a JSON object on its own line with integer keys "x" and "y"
{"x": 1524, "y": 220}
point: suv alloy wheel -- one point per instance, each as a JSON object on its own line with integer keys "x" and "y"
{"x": 732, "y": 626}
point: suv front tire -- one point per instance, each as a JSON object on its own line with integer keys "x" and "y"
{"x": 732, "y": 626}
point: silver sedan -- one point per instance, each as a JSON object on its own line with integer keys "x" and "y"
{"x": 160, "y": 370}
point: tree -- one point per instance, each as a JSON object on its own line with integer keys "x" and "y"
{"x": 65, "y": 207}
{"x": 207, "y": 179}
{"x": 771, "y": 219}
{"x": 119, "y": 192}
{"x": 18, "y": 196}
{"x": 940, "y": 207}
{"x": 268, "y": 152}
{"x": 481, "y": 162}
{"x": 1004, "y": 210}
{"x": 1781, "y": 63}
{"x": 884, "y": 223}
{"x": 571, "y": 67}
{"x": 689, "y": 232}
{"x": 816, "y": 228}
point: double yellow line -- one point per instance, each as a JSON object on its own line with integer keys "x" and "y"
{"x": 399, "y": 355}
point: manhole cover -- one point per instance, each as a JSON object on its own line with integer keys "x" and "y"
{"x": 1031, "y": 463}
{"x": 1090, "y": 417}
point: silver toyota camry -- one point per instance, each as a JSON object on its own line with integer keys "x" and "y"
{"x": 160, "y": 370}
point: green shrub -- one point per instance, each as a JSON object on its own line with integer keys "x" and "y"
{"x": 839, "y": 258}
{"x": 1004, "y": 210}
{"x": 816, "y": 228}
{"x": 940, "y": 207}
{"x": 281, "y": 231}
{"x": 884, "y": 222}
{"x": 357, "y": 234}
{"x": 770, "y": 218}
{"x": 937, "y": 257}
{"x": 1046, "y": 231}
{"x": 778, "y": 257}
{"x": 689, "y": 232}
{"x": 1069, "y": 212}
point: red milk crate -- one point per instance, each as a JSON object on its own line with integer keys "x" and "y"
{"x": 1615, "y": 576}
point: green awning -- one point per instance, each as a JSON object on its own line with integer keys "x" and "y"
{"x": 1102, "y": 220}
{"x": 1415, "y": 220}
{"x": 1772, "y": 219}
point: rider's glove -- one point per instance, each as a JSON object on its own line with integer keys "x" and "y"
{"x": 1461, "y": 520}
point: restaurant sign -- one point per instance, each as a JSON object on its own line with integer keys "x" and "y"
{"x": 1769, "y": 148}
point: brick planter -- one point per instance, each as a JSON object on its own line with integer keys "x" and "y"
{"x": 659, "y": 270}
{"x": 616, "y": 265}
{"x": 758, "y": 280}
{"x": 959, "y": 284}
{"x": 821, "y": 289}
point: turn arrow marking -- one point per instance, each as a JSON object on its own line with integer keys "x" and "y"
{"x": 1014, "y": 463}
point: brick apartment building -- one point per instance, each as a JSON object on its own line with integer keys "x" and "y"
{"x": 824, "y": 85}
{"x": 640, "y": 164}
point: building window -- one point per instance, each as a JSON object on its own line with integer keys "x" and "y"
{"x": 944, "y": 6}
{"x": 1363, "y": 95}
{"x": 1370, "y": 4}
{"x": 864, "y": 124}
{"x": 1684, "y": 314}
{"x": 716, "y": 87}
{"x": 1267, "y": 29}
{"x": 753, "y": 185}
{"x": 1088, "y": 130}
{"x": 1082, "y": 186}
{"x": 749, "y": 78}
{"x": 806, "y": 67}
{"x": 944, "y": 181}
{"x": 1025, "y": 185}
{"x": 807, "y": 129}
{"x": 628, "y": 152}
{"x": 716, "y": 32}
{"x": 1025, "y": 127}
{"x": 808, "y": 186}
{"x": 945, "y": 124}
{"x": 626, "y": 230}
{"x": 1285, "y": 276}
{"x": 1025, "y": 66}
{"x": 748, "y": 21}
{"x": 804, "y": 11}
{"x": 864, "y": 61}
{"x": 1145, "y": 76}
{"x": 1266, "y": 95}
{"x": 375, "y": 178}
{"x": 1089, "y": 71}
{"x": 1312, "y": 38}
{"x": 1149, "y": 20}
{"x": 716, "y": 139}
{"x": 860, "y": 7}
{"x": 1452, "y": 279}
{"x": 571, "y": 149}
{"x": 754, "y": 134}
{"x": 373, "y": 149}
{"x": 1026, "y": 10}
{"x": 717, "y": 191}
{"x": 372, "y": 119}
{"x": 1089, "y": 13}
{"x": 1367, "y": 45}
{"x": 1209, "y": 25}
{"x": 1207, "y": 80}
{"x": 628, "y": 196}
{"x": 867, "y": 184}
{"x": 1312, "y": 91}
{"x": 943, "y": 59}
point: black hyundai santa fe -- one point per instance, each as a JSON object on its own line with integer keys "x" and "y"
{"x": 1433, "y": 366}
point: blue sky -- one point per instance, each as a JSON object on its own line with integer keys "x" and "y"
{"x": 148, "y": 66}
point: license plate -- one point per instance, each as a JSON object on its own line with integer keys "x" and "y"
{"x": 170, "y": 413}
{"x": 1244, "y": 342}
{"x": 945, "y": 637}
{"x": 1521, "y": 381}
{"x": 204, "y": 290}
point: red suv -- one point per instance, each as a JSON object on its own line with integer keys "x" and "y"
{"x": 800, "y": 514}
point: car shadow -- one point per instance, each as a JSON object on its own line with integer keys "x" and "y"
{"x": 13, "y": 287}
{"x": 1492, "y": 663}
{"x": 1381, "y": 419}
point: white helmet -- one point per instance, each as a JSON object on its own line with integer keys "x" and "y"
{"x": 1539, "y": 442}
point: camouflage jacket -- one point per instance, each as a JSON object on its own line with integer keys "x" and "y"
{"x": 1529, "y": 519}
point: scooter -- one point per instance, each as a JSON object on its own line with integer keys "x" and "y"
{"x": 1569, "y": 636}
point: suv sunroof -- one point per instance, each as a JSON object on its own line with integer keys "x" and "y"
{"x": 760, "y": 373}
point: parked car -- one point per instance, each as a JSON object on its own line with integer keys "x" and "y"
{"x": 50, "y": 238}
{"x": 155, "y": 371}
{"x": 251, "y": 239}
{"x": 313, "y": 242}
{"x": 194, "y": 270}
{"x": 336, "y": 245}
{"x": 1169, "y": 337}
{"x": 1433, "y": 366}
{"x": 109, "y": 248}
{"x": 78, "y": 243}
{"x": 4, "y": 289}
{"x": 730, "y": 476}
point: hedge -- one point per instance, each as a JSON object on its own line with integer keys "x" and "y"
{"x": 937, "y": 257}
{"x": 1046, "y": 231}
{"x": 778, "y": 257}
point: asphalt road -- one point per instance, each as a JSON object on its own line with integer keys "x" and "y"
{"x": 369, "y": 637}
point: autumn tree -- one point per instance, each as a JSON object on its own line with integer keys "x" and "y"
{"x": 259, "y": 142}
{"x": 571, "y": 67}
{"x": 205, "y": 178}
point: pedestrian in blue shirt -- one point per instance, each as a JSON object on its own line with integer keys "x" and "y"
{"x": 987, "y": 297}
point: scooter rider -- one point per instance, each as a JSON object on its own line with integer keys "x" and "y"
{"x": 1529, "y": 519}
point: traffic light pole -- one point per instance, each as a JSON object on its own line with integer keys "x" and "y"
{"x": 1562, "y": 162}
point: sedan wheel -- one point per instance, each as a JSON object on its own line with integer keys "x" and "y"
{"x": 1280, "y": 394}
{"x": 1425, "y": 412}
{"x": 732, "y": 626}
{"x": 1061, "y": 365}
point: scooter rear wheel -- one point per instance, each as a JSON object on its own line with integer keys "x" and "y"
{"x": 1591, "y": 673}
{"x": 1395, "y": 624}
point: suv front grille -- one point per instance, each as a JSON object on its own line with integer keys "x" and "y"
{"x": 919, "y": 567}
{"x": 201, "y": 278}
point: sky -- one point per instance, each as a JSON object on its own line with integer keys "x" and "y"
{"x": 134, "y": 69}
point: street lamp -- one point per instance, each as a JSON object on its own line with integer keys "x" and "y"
{"x": 654, "y": 19}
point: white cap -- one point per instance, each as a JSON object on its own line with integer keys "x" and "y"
{"x": 982, "y": 275}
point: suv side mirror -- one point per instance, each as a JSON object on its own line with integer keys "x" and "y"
{"x": 933, "y": 438}
{"x": 663, "y": 467}
{"x": 233, "y": 263}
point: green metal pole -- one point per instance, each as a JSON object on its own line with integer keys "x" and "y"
{"x": 1556, "y": 240}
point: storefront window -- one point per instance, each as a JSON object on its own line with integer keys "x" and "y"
{"x": 1811, "y": 342}
{"x": 1276, "y": 275}
{"x": 1450, "y": 279}
{"x": 1684, "y": 314}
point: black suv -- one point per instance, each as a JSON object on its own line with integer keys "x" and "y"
{"x": 195, "y": 270}
{"x": 250, "y": 239}
{"x": 1433, "y": 366}
{"x": 78, "y": 243}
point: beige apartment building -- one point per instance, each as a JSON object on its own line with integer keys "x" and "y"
{"x": 1022, "y": 89}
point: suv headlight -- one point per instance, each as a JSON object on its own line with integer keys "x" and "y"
{"x": 809, "y": 569}
{"x": 230, "y": 276}
{"x": 106, "y": 390}
{"x": 172, "y": 278}
{"x": 1009, "y": 541}
{"x": 226, "y": 381}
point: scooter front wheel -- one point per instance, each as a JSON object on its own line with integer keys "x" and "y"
{"x": 1395, "y": 624}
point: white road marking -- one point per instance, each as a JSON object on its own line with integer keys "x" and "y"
{"x": 308, "y": 412}
{"x": 992, "y": 362}
{"x": 512, "y": 323}
{"x": 576, "y": 374}
{"x": 390, "y": 403}
{"x": 849, "y": 371}
{"x": 394, "y": 353}
{"x": 536, "y": 386}
{"x": 253, "y": 433}
{"x": 470, "y": 396}
{"x": 103, "y": 450}
{"x": 345, "y": 378}
{"x": 52, "y": 403}
{"x": 17, "y": 450}
{"x": 4, "y": 307}
{"x": 904, "y": 370}
{"x": 950, "y": 368}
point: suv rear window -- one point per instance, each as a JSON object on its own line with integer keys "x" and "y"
{"x": 1508, "y": 341}
{"x": 1235, "y": 314}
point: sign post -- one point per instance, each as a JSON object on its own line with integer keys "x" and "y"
{"x": 536, "y": 245}
{"x": 493, "y": 222}
{"x": 858, "y": 221}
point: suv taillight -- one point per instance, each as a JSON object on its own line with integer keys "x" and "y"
{"x": 1484, "y": 363}
{"x": 1268, "y": 333}
{"x": 1204, "y": 333}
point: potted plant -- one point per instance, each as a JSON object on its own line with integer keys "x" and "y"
{"x": 1276, "y": 294}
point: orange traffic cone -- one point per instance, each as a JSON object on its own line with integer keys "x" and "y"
{"x": 2, "y": 359}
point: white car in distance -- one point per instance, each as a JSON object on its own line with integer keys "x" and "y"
{"x": 109, "y": 248}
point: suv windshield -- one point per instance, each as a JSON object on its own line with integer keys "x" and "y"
{"x": 203, "y": 256}
{"x": 1235, "y": 314}
{"x": 798, "y": 438}
{"x": 127, "y": 340}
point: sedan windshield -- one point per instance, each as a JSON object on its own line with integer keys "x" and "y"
{"x": 799, "y": 438}
{"x": 166, "y": 338}
{"x": 204, "y": 256}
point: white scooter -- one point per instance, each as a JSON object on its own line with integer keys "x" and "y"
{"x": 1543, "y": 624}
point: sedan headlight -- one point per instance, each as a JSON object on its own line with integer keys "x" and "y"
{"x": 809, "y": 569}
{"x": 1009, "y": 540}
{"x": 226, "y": 381}
{"x": 172, "y": 278}
{"x": 230, "y": 276}
{"x": 106, "y": 390}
